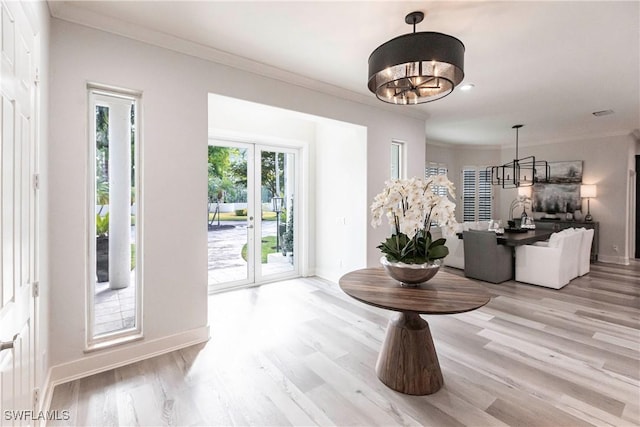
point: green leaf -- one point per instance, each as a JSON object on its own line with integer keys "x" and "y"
{"x": 437, "y": 252}
{"x": 437, "y": 243}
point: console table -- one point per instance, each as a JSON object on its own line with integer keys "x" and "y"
{"x": 407, "y": 361}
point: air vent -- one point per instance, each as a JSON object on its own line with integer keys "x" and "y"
{"x": 602, "y": 113}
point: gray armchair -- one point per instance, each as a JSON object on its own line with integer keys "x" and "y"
{"x": 485, "y": 259}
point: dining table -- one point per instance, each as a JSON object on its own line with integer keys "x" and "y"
{"x": 528, "y": 237}
{"x": 517, "y": 238}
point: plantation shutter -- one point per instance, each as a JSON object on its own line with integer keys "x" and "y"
{"x": 434, "y": 169}
{"x": 485, "y": 199}
{"x": 477, "y": 194}
{"x": 469, "y": 194}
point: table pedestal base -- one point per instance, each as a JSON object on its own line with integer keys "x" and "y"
{"x": 408, "y": 362}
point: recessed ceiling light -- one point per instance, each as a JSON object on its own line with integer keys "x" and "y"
{"x": 602, "y": 113}
{"x": 467, "y": 87}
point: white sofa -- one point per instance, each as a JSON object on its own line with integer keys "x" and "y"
{"x": 551, "y": 264}
{"x": 455, "y": 258}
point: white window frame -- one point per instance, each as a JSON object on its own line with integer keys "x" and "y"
{"x": 93, "y": 342}
{"x": 401, "y": 162}
{"x": 481, "y": 181}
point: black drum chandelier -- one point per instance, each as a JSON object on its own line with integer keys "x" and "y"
{"x": 417, "y": 67}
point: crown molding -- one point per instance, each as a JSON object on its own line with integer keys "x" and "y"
{"x": 459, "y": 146}
{"x": 66, "y": 11}
{"x": 577, "y": 138}
{"x": 511, "y": 145}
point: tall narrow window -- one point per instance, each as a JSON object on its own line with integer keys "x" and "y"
{"x": 397, "y": 160}
{"x": 477, "y": 195}
{"x": 114, "y": 258}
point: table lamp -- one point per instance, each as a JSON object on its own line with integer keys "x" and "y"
{"x": 587, "y": 192}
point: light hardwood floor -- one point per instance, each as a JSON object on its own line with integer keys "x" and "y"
{"x": 302, "y": 352}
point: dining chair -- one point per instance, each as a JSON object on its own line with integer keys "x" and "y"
{"x": 553, "y": 265}
{"x": 485, "y": 259}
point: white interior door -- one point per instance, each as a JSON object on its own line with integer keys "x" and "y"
{"x": 17, "y": 215}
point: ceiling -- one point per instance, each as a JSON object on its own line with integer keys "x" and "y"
{"x": 548, "y": 65}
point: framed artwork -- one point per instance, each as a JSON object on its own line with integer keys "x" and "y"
{"x": 562, "y": 193}
{"x": 565, "y": 172}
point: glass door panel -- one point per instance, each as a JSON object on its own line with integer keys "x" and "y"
{"x": 277, "y": 184}
{"x": 230, "y": 214}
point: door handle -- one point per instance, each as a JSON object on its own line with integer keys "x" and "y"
{"x": 6, "y": 345}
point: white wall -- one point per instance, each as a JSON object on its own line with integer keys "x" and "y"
{"x": 252, "y": 122}
{"x": 341, "y": 214}
{"x": 174, "y": 121}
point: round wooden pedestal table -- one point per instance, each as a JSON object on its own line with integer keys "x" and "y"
{"x": 408, "y": 362}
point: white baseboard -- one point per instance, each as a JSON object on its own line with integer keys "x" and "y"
{"x": 107, "y": 359}
{"x": 614, "y": 259}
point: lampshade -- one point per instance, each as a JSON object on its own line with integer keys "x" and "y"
{"x": 524, "y": 191}
{"x": 588, "y": 191}
{"x": 416, "y": 68}
{"x": 277, "y": 204}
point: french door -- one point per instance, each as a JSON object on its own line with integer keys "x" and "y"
{"x": 252, "y": 214}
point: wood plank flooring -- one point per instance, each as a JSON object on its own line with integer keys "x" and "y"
{"x": 301, "y": 352}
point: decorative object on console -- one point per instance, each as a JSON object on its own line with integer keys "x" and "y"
{"x": 520, "y": 201}
{"x": 587, "y": 192}
{"x": 519, "y": 172}
{"x": 527, "y": 223}
{"x": 411, "y": 207}
{"x": 417, "y": 67}
{"x": 495, "y": 225}
{"x": 562, "y": 193}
